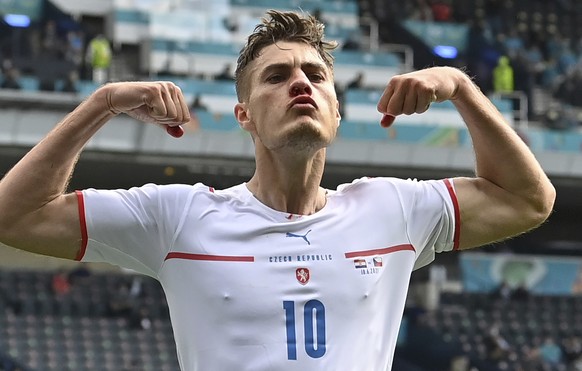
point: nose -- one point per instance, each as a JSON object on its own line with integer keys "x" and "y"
{"x": 299, "y": 86}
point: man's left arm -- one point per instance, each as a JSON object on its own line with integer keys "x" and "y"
{"x": 510, "y": 193}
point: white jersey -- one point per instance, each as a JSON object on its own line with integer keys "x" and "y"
{"x": 252, "y": 288}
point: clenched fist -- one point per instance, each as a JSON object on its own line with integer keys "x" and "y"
{"x": 414, "y": 92}
{"x": 161, "y": 103}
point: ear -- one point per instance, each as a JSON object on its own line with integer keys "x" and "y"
{"x": 243, "y": 117}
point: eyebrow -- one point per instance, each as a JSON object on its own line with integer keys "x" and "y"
{"x": 280, "y": 66}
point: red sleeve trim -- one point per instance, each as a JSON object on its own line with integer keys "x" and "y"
{"x": 83, "y": 225}
{"x": 207, "y": 257}
{"x": 381, "y": 251}
{"x": 457, "y": 213}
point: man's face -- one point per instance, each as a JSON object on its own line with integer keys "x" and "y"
{"x": 292, "y": 102}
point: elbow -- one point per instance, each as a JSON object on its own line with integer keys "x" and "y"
{"x": 7, "y": 232}
{"x": 5, "y": 229}
{"x": 542, "y": 204}
{"x": 14, "y": 230}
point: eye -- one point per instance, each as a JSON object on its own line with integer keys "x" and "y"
{"x": 275, "y": 78}
{"x": 316, "y": 77}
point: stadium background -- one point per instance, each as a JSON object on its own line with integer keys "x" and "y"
{"x": 55, "y": 316}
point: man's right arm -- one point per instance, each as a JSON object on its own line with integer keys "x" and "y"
{"x": 36, "y": 214}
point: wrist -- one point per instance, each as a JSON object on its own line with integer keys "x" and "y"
{"x": 463, "y": 86}
{"x": 103, "y": 98}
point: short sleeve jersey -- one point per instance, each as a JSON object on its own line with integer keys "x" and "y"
{"x": 252, "y": 288}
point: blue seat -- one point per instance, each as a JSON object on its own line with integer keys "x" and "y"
{"x": 29, "y": 83}
{"x": 210, "y": 121}
{"x": 363, "y": 59}
{"x": 367, "y": 131}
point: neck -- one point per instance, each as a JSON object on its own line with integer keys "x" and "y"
{"x": 289, "y": 185}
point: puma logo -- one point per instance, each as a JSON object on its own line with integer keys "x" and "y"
{"x": 303, "y": 236}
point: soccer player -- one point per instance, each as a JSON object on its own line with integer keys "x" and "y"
{"x": 279, "y": 273}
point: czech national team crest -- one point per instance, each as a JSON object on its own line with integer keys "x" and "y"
{"x": 302, "y": 275}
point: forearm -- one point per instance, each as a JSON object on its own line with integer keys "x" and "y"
{"x": 502, "y": 157}
{"x": 35, "y": 213}
{"x": 511, "y": 193}
{"x": 43, "y": 174}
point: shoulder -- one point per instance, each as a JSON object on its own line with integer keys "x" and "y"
{"x": 379, "y": 188}
{"x": 149, "y": 194}
{"x": 382, "y": 183}
{"x": 152, "y": 190}
{"x": 200, "y": 191}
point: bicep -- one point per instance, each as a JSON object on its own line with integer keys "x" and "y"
{"x": 53, "y": 230}
{"x": 488, "y": 213}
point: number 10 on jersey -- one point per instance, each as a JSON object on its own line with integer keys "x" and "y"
{"x": 313, "y": 325}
